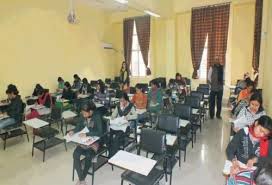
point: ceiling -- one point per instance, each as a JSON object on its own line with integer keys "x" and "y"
{"x": 107, "y": 5}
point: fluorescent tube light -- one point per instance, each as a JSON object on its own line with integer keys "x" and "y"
{"x": 152, "y": 13}
{"x": 122, "y": 1}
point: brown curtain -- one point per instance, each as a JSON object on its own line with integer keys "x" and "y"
{"x": 218, "y": 35}
{"x": 143, "y": 32}
{"x": 257, "y": 34}
{"x": 127, "y": 39}
{"x": 200, "y": 26}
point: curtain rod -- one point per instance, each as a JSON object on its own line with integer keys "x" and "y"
{"x": 209, "y": 6}
{"x": 135, "y": 17}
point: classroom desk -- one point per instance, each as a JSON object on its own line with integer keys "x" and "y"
{"x": 183, "y": 123}
{"x": 3, "y": 105}
{"x": 132, "y": 162}
{"x": 47, "y": 135}
{"x": 82, "y": 96}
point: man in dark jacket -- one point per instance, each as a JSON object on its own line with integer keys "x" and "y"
{"x": 93, "y": 121}
{"x": 14, "y": 110}
{"x": 216, "y": 81}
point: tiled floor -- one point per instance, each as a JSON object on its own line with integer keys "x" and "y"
{"x": 203, "y": 166}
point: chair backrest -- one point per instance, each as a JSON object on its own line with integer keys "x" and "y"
{"x": 162, "y": 82}
{"x": 117, "y": 79}
{"x": 93, "y": 83}
{"x": 193, "y": 101}
{"x": 56, "y": 113}
{"x": 168, "y": 123}
{"x": 132, "y": 90}
{"x": 153, "y": 141}
{"x": 206, "y": 91}
{"x": 187, "y": 80}
{"x": 198, "y": 94}
{"x": 183, "y": 111}
{"x": 118, "y": 93}
{"x": 107, "y": 80}
{"x": 115, "y": 85}
{"x": 204, "y": 86}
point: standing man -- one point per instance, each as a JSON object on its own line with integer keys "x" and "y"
{"x": 216, "y": 81}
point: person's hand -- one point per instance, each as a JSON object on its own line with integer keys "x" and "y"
{"x": 71, "y": 133}
{"x": 235, "y": 167}
{"x": 82, "y": 135}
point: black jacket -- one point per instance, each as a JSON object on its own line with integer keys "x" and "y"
{"x": 87, "y": 86}
{"x": 94, "y": 130}
{"x": 15, "y": 108}
{"x": 242, "y": 147}
{"x": 68, "y": 94}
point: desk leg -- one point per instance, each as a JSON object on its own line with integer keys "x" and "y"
{"x": 44, "y": 143}
{"x": 33, "y": 143}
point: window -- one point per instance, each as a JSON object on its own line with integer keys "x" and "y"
{"x": 203, "y": 65}
{"x": 137, "y": 66}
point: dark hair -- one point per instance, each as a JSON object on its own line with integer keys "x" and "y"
{"x": 38, "y": 86}
{"x": 125, "y": 96}
{"x": 87, "y": 107}
{"x": 60, "y": 79}
{"x": 178, "y": 74}
{"x": 266, "y": 122}
{"x": 76, "y": 77}
{"x": 155, "y": 82}
{"x": 85, "y": 81}
{"x": 123, "y": 64}
{"x": 12, "y": 89}
{"x": 263, "y": 175}
{"x": 257, "y": 97}
{"x": 249, "y": 83}
{"x": 67, "y": 84}
{"x": 40, "y": 91}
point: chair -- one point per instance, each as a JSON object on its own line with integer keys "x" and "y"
{"x": 100, "y": 158}
{"x": 194, "y": 102}
{"x": 117, "y": 79}
{"x": 108, "y": 81}
{"x": 202, "y": 102}
{"x": 206, "y": 86}
{"x": 18, "y": 129}
{"x": 152, "y": 141}
{"x": 170, "y": 124}
{"x": 132, "y": 90}
{"x": 93, "y": 83}
{"x": 56, "y": 117}
{"x": 184, "y": 112}
{"x": 115, "y": 85}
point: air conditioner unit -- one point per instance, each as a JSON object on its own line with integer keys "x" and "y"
{"x": 107, "y": 45}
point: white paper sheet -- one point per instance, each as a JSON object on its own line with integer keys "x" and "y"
{"x": 228, "y": 165}
{"x": 83, "y": 141}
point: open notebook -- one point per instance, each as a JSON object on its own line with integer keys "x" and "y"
{"x": 228, "y": 165}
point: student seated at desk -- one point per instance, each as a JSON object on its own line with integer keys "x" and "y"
{"x": 93, "y": 121}
{"x": 181, "y": 84}
{"x": 155, "y": 98}
{"x": 139, "y": 99}
{"x": 124, "y": 108}
{"x": 100, "y": 94}
{"x": 67, "y": 93}
{"x": 250, "y": 143}
{"x": 37, "y": 88}
{"x": 249, "y": 113}
{"x": 60, "y": 84}
{"x": 85, "y": 87}
{"x": 15, "y": 108}
{"x": 247, "y": 92}
{"x": 44, "y": 99}
{"x": 77, "y": 82}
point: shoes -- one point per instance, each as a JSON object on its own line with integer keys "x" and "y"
{"x": 218, "y": 117}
